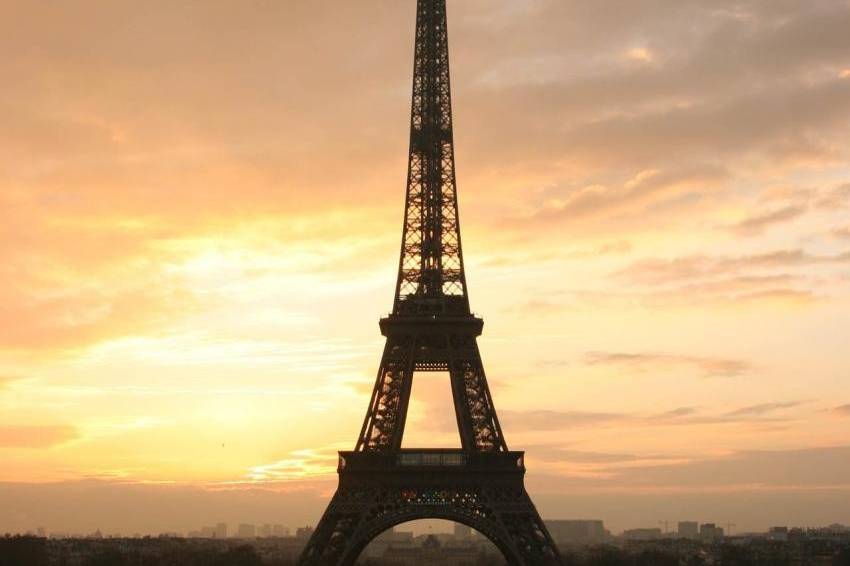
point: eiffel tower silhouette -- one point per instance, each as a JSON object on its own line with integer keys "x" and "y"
{"x": 431, "y": 328}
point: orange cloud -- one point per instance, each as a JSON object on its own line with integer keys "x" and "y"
{"x": 5, "y": 380}
{"x": 64, "y": 320}
{"x": 756, "y": 224}
{"x": 36, "y": 436}
{"x": 709, "y": 367}
{"x": 636, "y": 195}
{"x": 696, "y": 267}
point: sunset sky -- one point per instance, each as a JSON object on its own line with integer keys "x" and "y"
{"x": 201, "y": 210}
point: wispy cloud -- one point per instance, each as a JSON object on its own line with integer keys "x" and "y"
{"x": 548, "y": 420}
{"x": 644, "y": 189}
{"x": 644, "y": 361}
{"x": 763, "y": 409}
{"x": 590, "y": 458}
{"x": 678, "y": 413}
{"x": 545, "y": 420}
{"x": 298, "y": 465}
{"x": 36, "y": 436}
{"x": 761, "y": 412}
{"x": 841, "y": 233}
{"x": 696, "y": 267}
{"x": 837, "y": 197}
{"x": 781, "y": 205}
{"x": 757, "y": 223}
{"x": 5, "y": 380}
{"x": 743, "y": 470}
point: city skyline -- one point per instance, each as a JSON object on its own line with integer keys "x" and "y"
{"x": 195, "y": 514}
{"x": 656, "y": 225}
{"x": 583, "y": 542}
{"x": 565, "y": 531}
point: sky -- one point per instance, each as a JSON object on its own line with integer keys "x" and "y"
{"x": 202, "y": 207}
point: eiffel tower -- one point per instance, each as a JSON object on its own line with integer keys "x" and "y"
{"x": 431, "y": 329}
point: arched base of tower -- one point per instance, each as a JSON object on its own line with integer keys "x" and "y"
{"x": 376, "y": 493}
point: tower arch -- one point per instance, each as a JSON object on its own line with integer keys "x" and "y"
{"x": 480, "y": 527}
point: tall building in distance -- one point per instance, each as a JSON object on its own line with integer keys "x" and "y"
{"x": 246, "y": 530}
{"x": 280, "y": 531}
{"x": 652, "y": 533}
{"x": 462, "y": 532}
{"x": 709, "y": 532}
{"x": 688, "y": 530}
{"x": 578, "y": 531}
{"x": 221, "y": 530}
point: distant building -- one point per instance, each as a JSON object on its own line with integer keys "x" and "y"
{"x": 280, "y": 531}
{"x": 642, "y": 534}
{"x": 709, "y": 532}
{"x": 304, "y": 533}
{"x": 391, "y": 538}
{"x": 433, "y": 553}
{"x": 207, "y": 532}
{"x": 778, "y": 534}
{"x": 221, "y": 530}
{"x": 577, "y": 531}
{"x": 688, "y": 530}
{"x": 462, "y": 532}
{"x": 834, "y": 532}
{"x": 394, "y": 536}
{"x": 246, "y": 530}
{"x": 265, "y": 531}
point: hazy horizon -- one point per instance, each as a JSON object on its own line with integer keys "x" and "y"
{"x": 202, "y": 209}
{"x": 160, "y": 509}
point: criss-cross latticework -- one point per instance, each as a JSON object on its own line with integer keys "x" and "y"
{"x": 431, "y": 329}
{"x": 431, "y": 279}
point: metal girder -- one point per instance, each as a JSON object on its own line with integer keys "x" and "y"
{"x": 431, "y": 347}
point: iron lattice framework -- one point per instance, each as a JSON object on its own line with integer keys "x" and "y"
{"x": 431, "y": 328}
{"x": 431, "y": 278}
